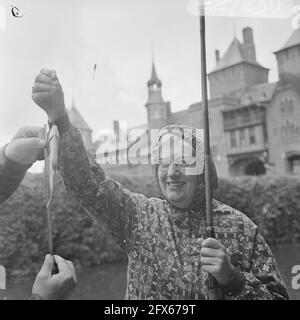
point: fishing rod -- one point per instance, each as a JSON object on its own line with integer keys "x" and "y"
{"x": 214, "y": 292}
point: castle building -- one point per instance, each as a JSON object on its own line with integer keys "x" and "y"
{"x": 254, "y": 124}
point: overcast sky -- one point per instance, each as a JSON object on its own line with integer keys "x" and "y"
{"x": 119, "y": 36}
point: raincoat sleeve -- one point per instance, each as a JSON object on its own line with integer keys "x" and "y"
{"x": 11, "y": 175}
{"x": 114, "y": 207}
{"x": 263, "y": 281}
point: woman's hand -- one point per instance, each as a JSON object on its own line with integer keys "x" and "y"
{"x": 47, "y": 93}
{"x": 215, "y": 261}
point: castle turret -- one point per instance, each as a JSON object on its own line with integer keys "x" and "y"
{"x": 237, "y": 69}
{"x": 288, "y": 57}
{"x": 157, "y": 109}
{"x": 77, "y": 120}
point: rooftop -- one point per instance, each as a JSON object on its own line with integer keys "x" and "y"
{"x": 233, "y": 56}
{"x": 294, "y": 40}
{"x": 76, "y": 118}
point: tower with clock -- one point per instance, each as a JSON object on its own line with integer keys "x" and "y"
{"x": 158, "y": 110}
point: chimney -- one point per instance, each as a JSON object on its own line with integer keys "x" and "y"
{"x": 248, "y": 36}
{"x": 217, "y": 53}
{"x": 248, "y": 45}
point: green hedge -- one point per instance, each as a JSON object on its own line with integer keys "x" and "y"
{"x": 23, "y": 231}
{"x": 273, "y": 203}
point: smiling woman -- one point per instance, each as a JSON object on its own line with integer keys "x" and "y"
{"x": 177, "y": 187}
{"x": 175, "y": 182}
{"x": 180, "y": 168}
{"x": 169, "y": 254}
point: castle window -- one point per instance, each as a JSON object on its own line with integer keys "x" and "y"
{"x": 252, "y": 135}
{"x": 291, "y": 105}
{"x": 281, "y": 106}
{"x": 294, "y": 164}
{"x": 246, "y": 116}
{"x": 287, "y": 106}
{"x": 242, "y": 137}
{"x": 233, "y": 139}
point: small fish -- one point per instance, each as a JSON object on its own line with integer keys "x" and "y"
{"x": 51, "y": 160}
{"x": 53, "y": 144}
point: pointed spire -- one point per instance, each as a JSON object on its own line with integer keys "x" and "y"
{"x": 154, "y": 74}
{"x": 154, "y": 78}
{"x": 76, "y": 117}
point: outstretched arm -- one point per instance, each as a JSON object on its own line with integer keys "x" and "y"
{"x": 116, "y": 209}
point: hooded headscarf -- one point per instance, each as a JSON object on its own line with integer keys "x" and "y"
{"x": 194, "y": 137}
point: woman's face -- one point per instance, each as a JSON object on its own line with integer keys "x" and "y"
{"x": 177, "y": 185}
